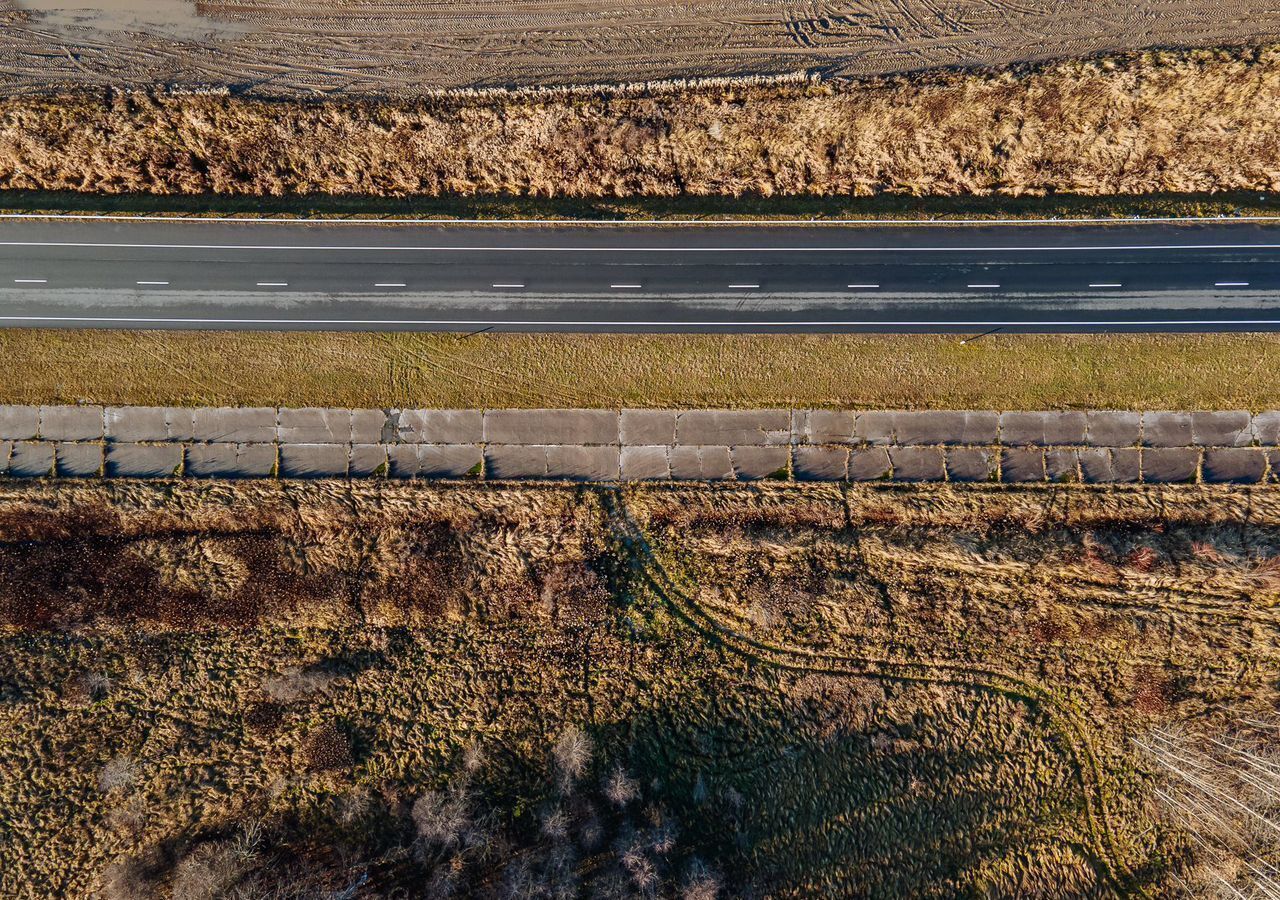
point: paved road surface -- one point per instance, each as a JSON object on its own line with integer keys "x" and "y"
{"x": 150, "y": 274}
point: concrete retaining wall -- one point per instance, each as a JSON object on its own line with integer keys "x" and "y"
{"x": 608, "y": 445}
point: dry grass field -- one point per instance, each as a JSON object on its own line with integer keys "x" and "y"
{"x": 276, "y": 690}
{"x": 1204, "y": 371}
{"x": 406, "y": 47}
{"x": 1193, "y": 121}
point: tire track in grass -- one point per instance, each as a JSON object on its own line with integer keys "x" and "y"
{"x": 1069, "y": 723}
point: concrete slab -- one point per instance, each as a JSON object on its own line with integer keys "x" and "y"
{"x": 30, "y": 460}
{"x": 6, "y": 447}
{"x": 19, "y": 423}
{"x": 78, "y": 460}
{"x": 241, "y": 425}
{"x": 1170, "y": 465}
{"x": 231, "y": 460}
{"x": 1044, "y": 428}
{"x": 1062, "y": 465}
{"x": 973, "y": 464}
{"x": 314, "y": 425}
{"x": 1233, "y": 428}
{"x": 1095, "y": 465}
{"x": 645, "y": 463}
{"x": 71, "y": 423}
{"x": 1166, "y": 429}
{"x": 1113, "y": 428}
{"x": 1266, "y": 427}
{"x": 648, "y": 426}
{"x": 949, "y": 427}
{"x": 823, "y": 426}
{"x": 875, "y": 427}
{"x": 739, "y": 428}
{"x": 701, "y": 463}
{"x": 439, "y": 426}
{"x": 314, "y": 460}
{"x": 367, "y": 460}
{"x": 515, "y": 461}
{"x": 820, "y": 463}
{"x": 1126, "y": 465}
{"x": 754, "y": 463}
{"x": 717, "y": 463}
{"x": 434, "y": 460}
{"x": 574, "y": 463}
{"x": 918, "y": 463}
{"x": 156, "y": 424}
{"x": 1021, "y": 465}
{"x": 143, "y": 460}
{"x": 369, "y": 426}
{"x": 869, "y": 464}
{"x": 1235, "y": 465}
{"x": 551, "y": 426}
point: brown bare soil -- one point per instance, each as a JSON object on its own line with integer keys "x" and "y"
{"x": 405, "y": 47}
{"x": 275, "y": 689}
{"x": 1196, "y": 121}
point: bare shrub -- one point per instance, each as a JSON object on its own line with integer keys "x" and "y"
{"x": 88, "y": 687}
{"x": 442, "y": 818}
{"x": 473, "y": 758}
{"x": 125, "y": 879}
{"x": 572, "y": 754}
{"x": 207, "y": 872}
{"x": 117, "y": 773}
{"x": 130, "y": 816}
{"x": 352, "y": 806}
{"x": 620, "y": 788}
{"x": 701, "y": 883}
{"x": 555, "y": 824}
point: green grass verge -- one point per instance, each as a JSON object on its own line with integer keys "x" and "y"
{"x": 503, "y": 370}
{"x": 888, "y": 207}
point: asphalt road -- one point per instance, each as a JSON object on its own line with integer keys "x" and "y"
{"x": 971, "y": 278}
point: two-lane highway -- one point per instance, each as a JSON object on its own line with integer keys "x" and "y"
{"x": 82, "y": 272}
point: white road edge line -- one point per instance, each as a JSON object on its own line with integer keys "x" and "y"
{"x": 330, "y": 248}
{"x": 580, "y": 323}
{"x": 508, "y": 285}
{"x": 749, "y": 287}
{"x": 631, "y": 287}
{"x": 862, "y": 285}
{"x": 161, "y": 283}
{"x": 273, "y": 284}
{"x": 984, "y": 285}
{"x": 390, "y": 284}
{"x": 1231, "y": 284}
{"x": 636, "y": 223}
{"x": 1106, "y": 284}
{"x": 30, "y": 281}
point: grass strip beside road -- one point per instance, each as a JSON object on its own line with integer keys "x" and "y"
{"x": 498, "y": 208}
{"x": 1219, "y": 371}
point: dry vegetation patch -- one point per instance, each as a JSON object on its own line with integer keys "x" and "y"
{"x": 731, "y": 691}
{"x": 1177, "y": 121}
{"x": 444, "y": 371}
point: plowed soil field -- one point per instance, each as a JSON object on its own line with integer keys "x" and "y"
{"x": 362, "y": 47}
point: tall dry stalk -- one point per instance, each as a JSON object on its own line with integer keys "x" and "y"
{"x": 1225, "y": 792}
